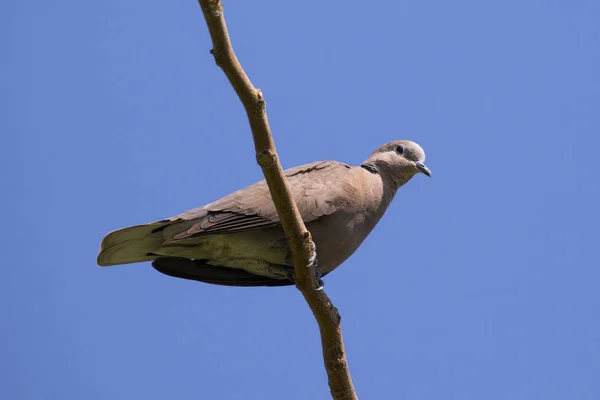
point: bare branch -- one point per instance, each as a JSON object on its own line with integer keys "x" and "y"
{"x": 299, "y": 238}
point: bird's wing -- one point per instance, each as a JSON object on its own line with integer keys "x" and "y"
{"x": 316, "y": 187}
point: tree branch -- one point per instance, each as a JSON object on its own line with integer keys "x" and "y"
{"x": 298, "y": 237}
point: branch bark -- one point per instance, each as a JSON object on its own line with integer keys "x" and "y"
{"x": 298, "y": 237}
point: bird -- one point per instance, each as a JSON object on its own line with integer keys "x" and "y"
{"x": 238, "y": 240}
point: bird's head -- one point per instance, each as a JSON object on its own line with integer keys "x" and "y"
{"x": 399, "y": 160}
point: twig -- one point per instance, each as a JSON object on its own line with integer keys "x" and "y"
{"x": 298, "y": 237}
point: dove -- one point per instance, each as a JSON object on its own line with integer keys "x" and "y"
{"x": 238, "y": 240}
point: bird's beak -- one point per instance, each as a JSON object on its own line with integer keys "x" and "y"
{"x": 421, "y": 167}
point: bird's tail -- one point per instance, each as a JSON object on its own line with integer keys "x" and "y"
{"x": 131, "y": 245}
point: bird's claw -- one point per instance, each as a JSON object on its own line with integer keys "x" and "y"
{"x": 313, "y": 262}
{"x": 320, "y": 283}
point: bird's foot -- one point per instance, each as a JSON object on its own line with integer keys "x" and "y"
{"x": 313, "y": 261}
{"x": 320, "y": 283}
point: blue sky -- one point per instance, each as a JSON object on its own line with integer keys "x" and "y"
{"x": 481, "y": 282}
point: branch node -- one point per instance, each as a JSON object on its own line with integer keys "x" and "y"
{"x": 260, "y": 100}
{"x": 217, "y": 56}
{"x": 338, "y": 317}
{"x": 216, "y": 7}
{"x": 266, "y": 158}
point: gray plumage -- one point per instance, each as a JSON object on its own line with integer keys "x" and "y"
{"x": 238, "y": 240}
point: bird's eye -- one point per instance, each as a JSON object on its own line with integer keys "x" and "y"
{"x": 400, "y": 149}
